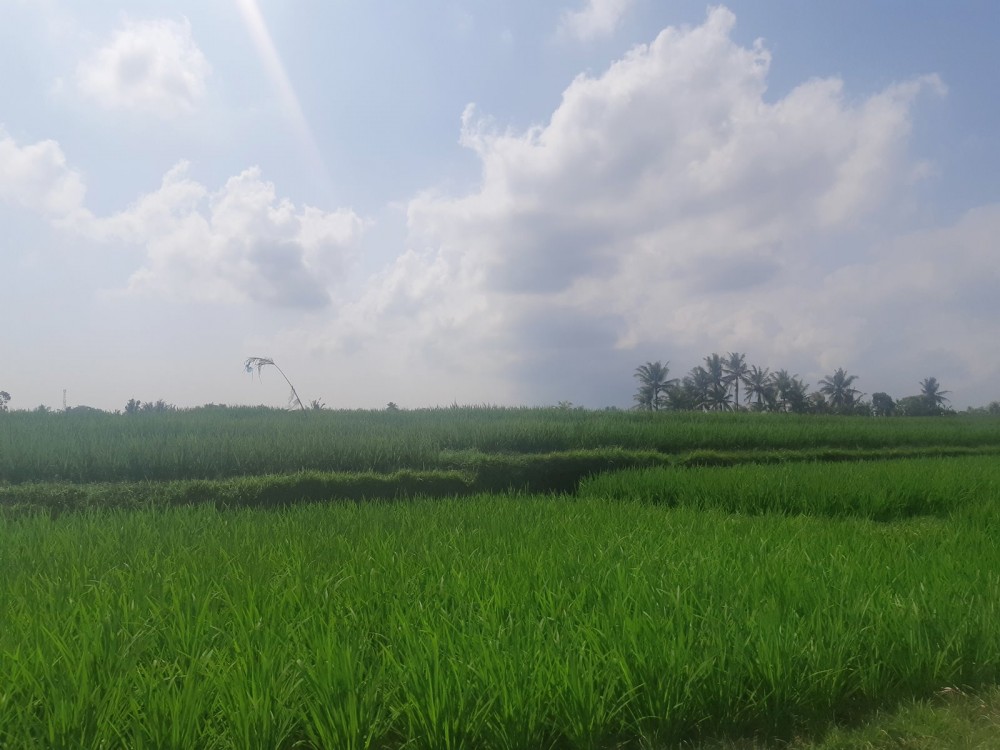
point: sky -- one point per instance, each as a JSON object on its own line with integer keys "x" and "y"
{"x": 510, "y": 203}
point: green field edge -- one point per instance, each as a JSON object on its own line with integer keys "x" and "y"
{"x": 458, "y": 474}
{"x": 950, "y": 719}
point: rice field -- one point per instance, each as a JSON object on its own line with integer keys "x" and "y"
{"x": 211, "y": 443}
{"x": 884, "y": 491}
{"x": 658, "y": 606}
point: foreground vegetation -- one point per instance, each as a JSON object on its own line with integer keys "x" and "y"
{"x": 182, "y": 579}
{"x": 489, "y": 622}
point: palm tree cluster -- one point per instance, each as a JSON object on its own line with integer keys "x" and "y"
{"x": 716, "y": 385}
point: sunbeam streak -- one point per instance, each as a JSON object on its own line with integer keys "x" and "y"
{"x": 275, "y": 68}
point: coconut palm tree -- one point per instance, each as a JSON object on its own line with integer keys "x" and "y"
{"x": 837, "y": 388}
{"x": 931, "y": 393}
{"x": 699, "y": 383}
{"x": 781, "y": 386}
{"x": 797, "y": 396}
{"x": 718, "y": 398}
{"x": 709, "y": 382}
{"x": 715, "y": 367}
{"x": 759, "y": 386}
{"x": 736, "y": 369}
{"x": 687, "y": 395}
{"x": 788, "y": 393}
{"x": 654, "y": 385}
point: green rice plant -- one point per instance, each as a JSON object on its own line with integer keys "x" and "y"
{"x": 883, "y": 490}
{"x": 170, "y": 703}
{"x": 503, "y": 621}
{"x": 345, "y": 694}
{"x": 442, "y": 703}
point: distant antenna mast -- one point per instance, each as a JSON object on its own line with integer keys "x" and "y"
{"x": 64, "y": 400}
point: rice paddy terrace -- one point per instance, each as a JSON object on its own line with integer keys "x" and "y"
{"x": 488, "y": 578}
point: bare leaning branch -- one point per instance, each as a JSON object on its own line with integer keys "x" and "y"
{"x": 258, "y": 363}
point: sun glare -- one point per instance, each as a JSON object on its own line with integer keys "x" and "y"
{"x": 275, "y": 68}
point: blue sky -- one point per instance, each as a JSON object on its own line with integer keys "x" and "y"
{"x": 512, "y": 203}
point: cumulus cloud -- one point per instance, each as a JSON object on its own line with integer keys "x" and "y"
{"x": 667, "y": 206}
{"x": 36, "y": 177}
{"x": 239, "y": 243}
{"x": 595, "y": 19}
{"x": 149, "y": 66}
{"x": 235, "y": 244}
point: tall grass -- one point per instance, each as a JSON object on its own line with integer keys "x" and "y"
{"x": 504, "y": 622}
{"x": 214, "y": 443}
{"x": 884, "y": 490}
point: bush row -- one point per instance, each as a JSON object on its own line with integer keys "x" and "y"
{"x": 464, "y": 474}
{"x": 269, "y": 491}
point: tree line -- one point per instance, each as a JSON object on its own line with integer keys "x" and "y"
{"x": 716, "y": 385}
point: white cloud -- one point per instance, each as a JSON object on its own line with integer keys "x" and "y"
{"x": 239, "y": 243}
{"x": 667, "y": 207}
{"x": 37, "y": 177}
{"x": 595, "y": 19}
{"x": 149, "y": 66}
